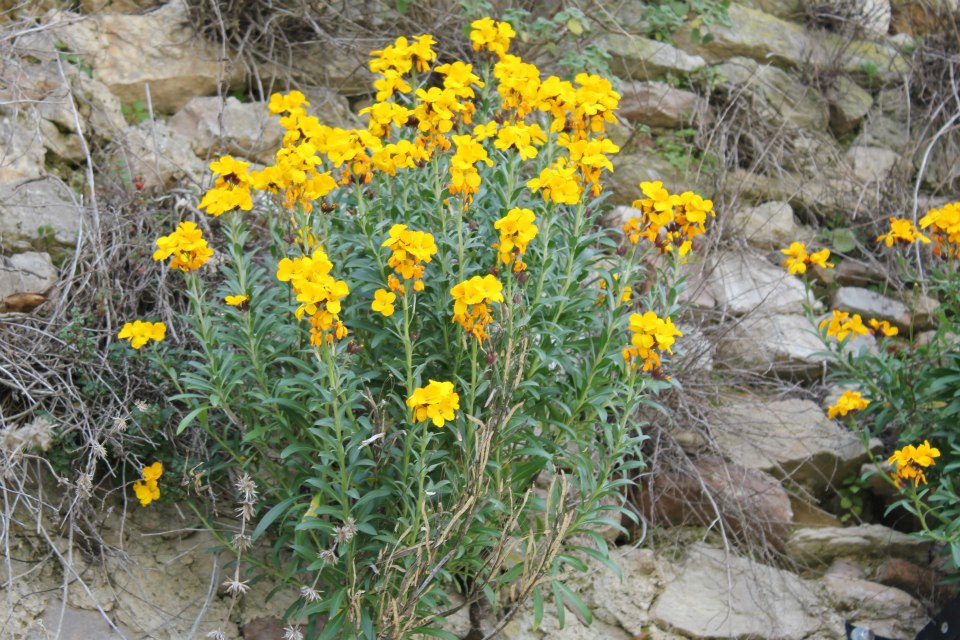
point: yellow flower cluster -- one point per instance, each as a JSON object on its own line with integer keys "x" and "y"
{"x": 882, "y": 327}
{"x": 464, "y": 177}
{"x": 902, "y": 231}
{"x": 841, "y": 325}
{"x": 798, "y": 259}
{"x": 231, "y": 190}
{"x": 318, "y": 293}
{"x": 411, "y": 251}
{"x": 493, "y": 36}
{"x": 186, "y": 245}
{"x": 395, "y": 61}
{"x": 944, "y": 228}
{"x": 516, "y": 231}
{"x": 140, "y": 333}
{"x": 669, "y": 221}
{"x": 437, "y": 402}
{"x": 911, "y": 461}
{"x": 849, "y": 401}
{"x": 149, "y": 490}
{"x": 471, "y": 303}
{"x": 651, "y": 335}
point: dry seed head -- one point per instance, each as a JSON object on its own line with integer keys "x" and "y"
{"x": 309, "y": 594}
{"x": 236, "y": 587}
{"x": 247, "y": 488}
{"x": 292, "y": 632}
{"x": 141, "y": 406}
{"x": 120, "y": 423}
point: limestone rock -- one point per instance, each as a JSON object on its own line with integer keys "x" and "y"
{"x": 923, "y": 309}
{"x": 78, "y": 624}
{"x": 822, "y": 194}
{"x": 118, "y": 6}
{"x": 849, "y": 104}
{"x": 21, "y": 152}
{"x": 824, "y": 545}
{"x": 638, "y": 58}
{"x": 743, "y": 282}
{"x": 715, "y": 595}
{"x": 29, "y": 272}
{"x": 781, "y": 96}
{"x": 630, "y": 169}
{"x": 625, "y": 602}
{"x": 770, "y": 225}
{"x": 856, "y": 273}
{"x": 873, "y": 16}
{"x": 880, "y": 130}
{"x": 788, "y": 438}
{"x": 919, "y": 581}
{"x": 752, "y": 504}
{"x": 754, "y": 34}
{"x": 785, "y": 345}
{"x": 159, "y": 155}
{"x": 158, "y": 49}
{"x": 885, "y": 610}
{"x": 872, "y": 164}
{"x": 38, "y": 208}
{"x": 657, "y": 104}
{"x": 780, "y": 8}
{"x": 249, "y": 131}
{"x": 870, "y": 304}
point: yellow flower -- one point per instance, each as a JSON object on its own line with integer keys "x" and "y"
{"x": 186, "y": 245}
{"x": 383, "y": 302}
{"x": 471, "y": 303}
{"x": 651, "y": 334}
{"x": 411, "y": 251}
{"x": 149, "y": 490}
{"x": 910, "y": 461}
{"x": 231, "y": 190}
{"x": 819, "y": 259}
{"x": 944, "y": 226}
{"x": 558, "y": 183}
{"x": 236, "y": 301}
{"x": 882, "y": 326}
{"x": 902, "y": 231}
{"x": 493, "y": 36}
{"x": 318, "y": 293}
{"x": 841, "y": 325}
{"x": 437, "y": 402}
{"x": 516, "y": 231}
{"x": 797, "y": 258}
{"x": 849, "y": 401}
{"x": 139, "y": 332}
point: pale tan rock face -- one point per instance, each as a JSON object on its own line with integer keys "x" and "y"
{"x": 127, "y": 52}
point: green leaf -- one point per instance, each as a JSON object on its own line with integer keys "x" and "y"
{"x": 190, "y": 417}
{"x": 270, "y": 516}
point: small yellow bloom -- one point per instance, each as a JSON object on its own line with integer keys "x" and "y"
{"x": 882, "y": 326}
{"x": 149, "y": 490}
{"x": 910, "y": 461}
{"x": 842, "y": 325}
{"x": 437, "y": 402}
{"x": 236, "y": 301}
{"x": 140, "y": 333}
{"x": 797, "y": 258}
{"x": 383, "y": 302}
{"x": 902, "y": 231}
{"x": 187, "y": 246}
{"x": 849, "y": 401}
{"x": 819, "y": 259}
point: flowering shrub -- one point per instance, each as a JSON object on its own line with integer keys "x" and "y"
{"x": 436, "y": 403}
{"x": 910, "y": 392}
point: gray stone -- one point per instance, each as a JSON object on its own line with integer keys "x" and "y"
{"x": 785, "y": 345}
{"x": 77, "y": 624}
{"x": 638, "y": 58}
{"x": 38, "y": 208}
{"x": 887, "y": 611}
{"x": 249, "y": 131}
{"x": 791, "y": 439}
{"x": 712, "y": 594}
{"x": 872, "y": 164}
{"x": 824, "y": 545}
{"x": 770, "y": 225}
{"x": 754, "y": 34}
{"x": 857, "y": 273}
{"x": 657, "y": 104}
{"x": 630, "y": 169}
{"x": 158, "y": 49}
{"x": 751, "y": 504}
{"x": 879, "y": 130}
{"x": 743, "y": 283}
{"x": 870, "y": 304}
{"x": 161, "y": 156}
{"x": 625, "y": 602}
{"x": 782, "y": 97}
{"x": 30, "y": 272}
{"x": 873, "y": 16}
{"x": 21, "y": 151}
{"x": 849, "y": 104}
{"x": 788, "y": 9}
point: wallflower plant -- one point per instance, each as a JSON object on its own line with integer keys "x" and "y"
{"x": 909, "y": 390}
{"x": 415, "y": 363}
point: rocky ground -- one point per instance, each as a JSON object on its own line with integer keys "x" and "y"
{"x": 823, "y": 120}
